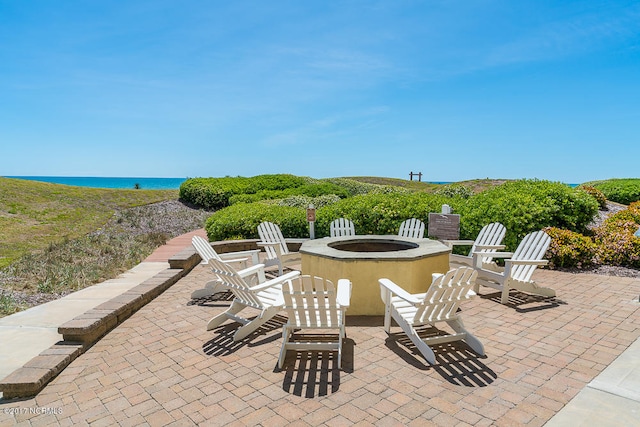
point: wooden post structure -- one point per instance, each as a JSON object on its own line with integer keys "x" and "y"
{"x": 412, "y": 174}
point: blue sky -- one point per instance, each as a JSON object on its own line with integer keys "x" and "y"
{"x": 453, "y": 89}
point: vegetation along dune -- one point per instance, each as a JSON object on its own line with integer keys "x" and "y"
{"x": 55, "y": 239}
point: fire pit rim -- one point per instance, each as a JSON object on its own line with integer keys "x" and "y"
{"x": 424, "y": 248}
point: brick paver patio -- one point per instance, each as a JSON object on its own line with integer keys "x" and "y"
{"x": 161, "y": 367}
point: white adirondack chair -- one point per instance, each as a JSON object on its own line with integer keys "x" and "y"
{"x": 314, "y": 303}
{"x": 412, "y": 228}
{"x": 489, "y": 240}
{"x": 439, "y": 304}
{"x": 206, "y": 253}
{"x": 266, "y": 296}
{"x": 342, "y": 227}
{"x": 275, "y": 246}
{"x": 518, "y": 268}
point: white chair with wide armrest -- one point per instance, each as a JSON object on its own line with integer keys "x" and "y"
{"x": 206, "y": 252}
{"x": 488, "y": 240}
{"x": 518, "y": 269}
{"x": 439, "y": 304}
{"x": 275, "y": 246}
{"x": 266, "y": 296}
{"x": 314, "y": 303}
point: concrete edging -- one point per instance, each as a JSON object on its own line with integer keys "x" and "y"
{"x": 81, "y": 332}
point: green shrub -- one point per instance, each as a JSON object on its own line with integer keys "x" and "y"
{"x": 275, "y": 182}
{"x": 596, "y": 194}
{"x": 569, "y": 249}
{"x": 617, "y": 243}
{"x": 212, "y": 193}
{"x": 524, "y": 206}
{"x": 379, "y": 213}
{"x": 455, "y": 190}
{"x": 625, "y": 191}
{"x": 241, "y": 220}
{"x": 217, "y": 193}
{"x": 371, "y": 214}
{"x": 310, "y": 190}
{"x": 356, "y": 188}
{"x": 305, "y": 201}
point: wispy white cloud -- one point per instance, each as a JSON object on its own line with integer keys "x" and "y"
{"x": 327, "y": 129}
{"x": 573, "y": 36}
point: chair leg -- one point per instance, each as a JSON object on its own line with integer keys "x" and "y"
{"x": 218, "y": 320}
{"x": 470, "y": 339}
{"x": 286, "y": 336}
{"x": 504, "y": 299}
{"x": 422, "y": 347}
{"x": 340, "y": 351}
{"x": 264, "y": 317}
{"x": 279, "y": 268}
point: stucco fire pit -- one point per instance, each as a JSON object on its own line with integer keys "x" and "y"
{"x": 365, "y": 259}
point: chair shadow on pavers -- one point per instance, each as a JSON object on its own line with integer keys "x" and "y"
{"x": 455, "y": 361}
{"x": 223, "y": 344}
{"x": 459, "y": 365}
{"x": 316, "y": 373}
{"x": 218, "y": 299}
{"x": 519, "y": 299}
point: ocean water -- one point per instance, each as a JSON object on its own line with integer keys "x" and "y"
{"x": 110, "y": 182}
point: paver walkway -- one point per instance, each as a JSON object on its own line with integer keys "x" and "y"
{"x": 161, "y": 366}
{"x": 26, "y": 334}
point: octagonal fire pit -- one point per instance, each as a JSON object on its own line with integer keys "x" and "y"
{"x": 365, "y": 259}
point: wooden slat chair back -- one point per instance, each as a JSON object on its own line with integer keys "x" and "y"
{"x": 270, "y": 233}
{"x": 204, "y": 249}
{"x": 314, "y": 303}
{"x": 412, "y": 228}
{"x": 489, "y": 240}
{"x": 439, "y": 304}
{"x": 265, "y": 296}
{"x": 206, "y": 252}
{"x": 342, "y": 227}
{"x": 441, "y": 301}
{"x": 490, "y": 235}
{"x": 241, "y": 289}
{"x": 518, "y": 268}
{"x": 275, "y": 246}
{"x": 533, "y": 247}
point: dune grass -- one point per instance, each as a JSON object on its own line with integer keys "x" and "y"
{"x": 33, "y": 215}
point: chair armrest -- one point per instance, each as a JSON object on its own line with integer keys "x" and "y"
{"x": 527, "y": 261}
{"x": 494, "y": 254}
{"x": 229, "y": 260}
{"x": 274, "y": 282}
{"x": 268, "y": 244}
{"x": 276, "y": 246}
{"x": 398, "y": 291}
{"x": 490, "y": 247}
{"x": 251, "y": 253}
{"x": 344, "y": 292}
{"x": 254, "y": 269}
{"x": 458, "y": 242}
